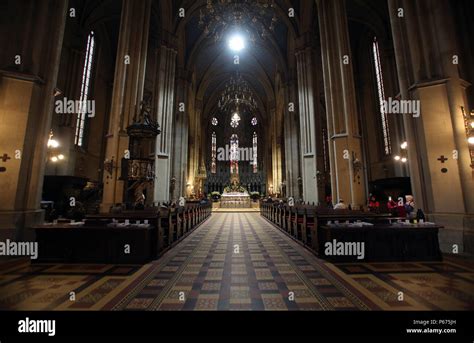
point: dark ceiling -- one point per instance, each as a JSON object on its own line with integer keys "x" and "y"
{"x": 211, "y": 62}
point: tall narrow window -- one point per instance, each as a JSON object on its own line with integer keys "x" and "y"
{"x": 255, "y": 159}
{"x": 234, "y": 154}
{"x": 213, "y": 154}
{"x": 85, "y": 90}
{"x": 381, "y": 93}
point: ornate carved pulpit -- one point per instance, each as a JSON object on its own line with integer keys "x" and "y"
{"x": 138, "y": 169}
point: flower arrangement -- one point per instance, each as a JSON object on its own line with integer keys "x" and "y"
{"x": 255, "y": 196}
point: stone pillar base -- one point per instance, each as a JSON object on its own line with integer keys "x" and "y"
{"x": 16, "y": 225}
{"x": 458, "y": 229}
{"x": 105, "y": 207}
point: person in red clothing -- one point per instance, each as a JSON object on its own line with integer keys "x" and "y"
{"x": 392, "y": 206}
{"x": 374, "y": 205}
{"x": 401, "y": 208}
{"x": 329, "y": 201}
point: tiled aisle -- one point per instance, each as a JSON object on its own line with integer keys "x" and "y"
{"x": 239, "y": 261}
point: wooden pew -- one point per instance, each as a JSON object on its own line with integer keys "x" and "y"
{"x": 167, "y": 225}
{"x": 317, "y": 217}
{"x": 309, "y": 225}
{"x": 150, "y": 215}
{"x": 298, "y": 221}
{"x": 96, "y": 242}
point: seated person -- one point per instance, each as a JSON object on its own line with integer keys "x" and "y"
{"x": 117, "y": 208}
{"x": 139, "y": 201}
{"x": 139, "y": 206}
{"x": 401, "y": 212}
{"x": 341, "y": 205}
{"x": 374, "y": 205}
{"x": 329, "y": 201}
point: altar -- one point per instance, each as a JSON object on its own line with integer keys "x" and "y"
{"x": 235, "y": 200}
{"x": 235, "y": 196}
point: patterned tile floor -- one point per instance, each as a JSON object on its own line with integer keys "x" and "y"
{"x": 238, "y": 261}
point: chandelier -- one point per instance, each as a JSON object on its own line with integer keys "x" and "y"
{"x": 256, "y": 17}
{"x": 53, "y": 146}
{"x": 234, "y": 122}
{"x": 237, "y": 94}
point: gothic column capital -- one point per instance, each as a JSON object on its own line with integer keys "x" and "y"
{"x": 169, "y": 41}
{"x": 305, "y": 43}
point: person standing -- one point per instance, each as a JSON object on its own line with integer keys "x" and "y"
{"x": 392, "y": 206}
{"x": 409, "y": 206}
{"x": 374, "y": 205}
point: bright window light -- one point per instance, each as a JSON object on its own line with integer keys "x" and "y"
{"x": 236, "y": 43}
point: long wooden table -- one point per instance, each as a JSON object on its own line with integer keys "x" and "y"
{"x": 99, "y": 241}
{"x": 382, "y": 243}
{"x": 65, "y": 243}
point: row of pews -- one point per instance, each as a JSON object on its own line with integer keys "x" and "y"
{"x": 128, "y": 237}
{"x": 386, "y": 238}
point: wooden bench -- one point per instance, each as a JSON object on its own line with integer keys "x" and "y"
{"x": 383, "y": 243}
{"x": 97, "y": 242}
{"x": 66, "y": 243}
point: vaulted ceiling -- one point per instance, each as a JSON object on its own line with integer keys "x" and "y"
{"x": 212, "y": 63}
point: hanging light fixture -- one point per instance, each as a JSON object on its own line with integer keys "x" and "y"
{"x": 237, "y": 93}
{"x": 53, "y": 146}
{"x": 52, "y": 143}
{"x": 403, "y": 157}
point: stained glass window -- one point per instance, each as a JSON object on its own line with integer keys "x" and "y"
{"x": 255, "y": 159}
{"x": 214, "y": 154}
{"x": 234, "y": 154}
{"x": 381, "y": 93}
{"x": 85, "y": 90}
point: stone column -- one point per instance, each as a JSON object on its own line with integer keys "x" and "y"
{"x": 425, "y": 47}
{"x": 165, "y": 108}
{"x": 276, "y": 154}
{"x": 194, "y": 108}
{"x": 292, "y": 144}
{"x": 31, "y": 48}
{"x": 307, "y": 111}
{"x": 345, "y": 148}
{"x": 180, "y": 142}
{"x": 127, "y": 94}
